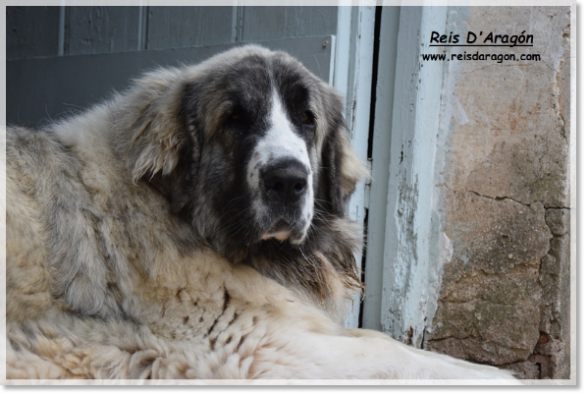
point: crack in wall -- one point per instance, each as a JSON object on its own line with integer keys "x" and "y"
{"x": 499, "y": 198}
{"x": 535, "y": 178}
{"x": 488, "y": 270}
{"x": 513, "y": 200}
{"x": 547, "y": 351}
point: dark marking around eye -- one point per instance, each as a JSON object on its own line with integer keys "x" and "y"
{"x": 308, "y": 119}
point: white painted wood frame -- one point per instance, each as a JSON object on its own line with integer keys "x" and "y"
{"x": 406, "y": 248}
{"x": 352, "y": 78}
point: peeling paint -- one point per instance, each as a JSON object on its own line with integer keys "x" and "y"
{"x": 410, "y": 272}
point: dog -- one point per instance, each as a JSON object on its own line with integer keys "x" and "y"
{"x": 193, "y": 227}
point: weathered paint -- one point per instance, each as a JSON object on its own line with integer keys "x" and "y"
{"x": 355, "y": 59}
{"x": 379, "y": 183}
{"x": 409, "y": 272}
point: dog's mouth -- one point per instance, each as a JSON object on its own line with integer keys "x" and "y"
{"x": 279, "y": 235}
{"x": 280, "y": 230}
{"x": 283, "y": 230}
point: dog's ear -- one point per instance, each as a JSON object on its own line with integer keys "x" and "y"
{"x": 341, "y": 169}
{"x": 169, "y": 154}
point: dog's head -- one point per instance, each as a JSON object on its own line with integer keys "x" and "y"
{"x": 249, "y": 146}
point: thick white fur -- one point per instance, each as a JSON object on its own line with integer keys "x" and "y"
{"x": 177, "y": 322}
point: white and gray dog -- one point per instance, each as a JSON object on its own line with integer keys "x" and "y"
{"x": 194, "y": 227}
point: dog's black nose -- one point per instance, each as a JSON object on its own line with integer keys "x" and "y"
{"x": 286, "y": 182}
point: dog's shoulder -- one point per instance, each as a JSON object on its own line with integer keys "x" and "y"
{"x": 76, "y": 226}
{"x": 33, "y": 158}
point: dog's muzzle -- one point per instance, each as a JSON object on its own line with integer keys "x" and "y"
{"x": 286, "y": 196}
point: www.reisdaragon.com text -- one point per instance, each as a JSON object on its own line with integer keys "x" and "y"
{"x": 476, "y": 56}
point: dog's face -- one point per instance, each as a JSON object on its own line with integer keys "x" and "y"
{"x": 260, "y": 151}
{"x": 259, "y": 148}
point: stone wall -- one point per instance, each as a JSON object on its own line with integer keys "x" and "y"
{"x": 505, "y": 197}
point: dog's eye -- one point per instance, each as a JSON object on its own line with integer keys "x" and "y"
{"x": 308, "y": 119}
{"x": 235, "y": 118}
{"x": 234, "y": 115}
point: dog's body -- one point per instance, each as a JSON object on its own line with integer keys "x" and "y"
{"x": 194, "y": 227}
